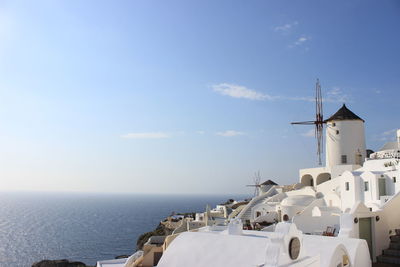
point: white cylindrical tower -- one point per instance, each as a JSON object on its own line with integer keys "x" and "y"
{"x": 345, "y": 139}
{"x": 398, "y": 136}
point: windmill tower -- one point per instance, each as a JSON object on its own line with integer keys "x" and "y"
{"x": 345, "y": 135}
{"x": 345, "y": 139}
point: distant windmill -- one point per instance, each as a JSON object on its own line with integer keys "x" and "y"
{"x": 256, "y": 185}
{"x": 319, "y": 121}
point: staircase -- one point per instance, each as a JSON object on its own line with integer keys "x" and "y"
{"x": 245, "y": 214}
{"x": 392, "y": 254}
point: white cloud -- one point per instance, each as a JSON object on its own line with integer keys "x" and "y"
{"x": 200, "y": 132}
{"x": 146, "y": 135}
{"x": 336, "y": 95}
{"x": 286, "y": 28}
{"x": 300, "y": 41}
{"x": 390, "y": 132}
{"x": 389, "y": 135}
{"x": 238, "y": 91}
{"x": 230, "y": 133}
{"x": 309, "y": 133}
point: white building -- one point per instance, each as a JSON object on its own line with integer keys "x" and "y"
{"x": 355, "y": 196}
{"x": 345, "y": 148}
{"x": 286, "y": 246}
{"x": 343, "y": 214}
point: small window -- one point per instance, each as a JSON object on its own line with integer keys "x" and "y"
{"x": 333, "y": 124}
{"x": 394, "y": 179}
{"x": 347, "y": 186}
{"x": 366, "y": 186}
{"x": 344, "y": 159}
{"x": 337, "y": 131}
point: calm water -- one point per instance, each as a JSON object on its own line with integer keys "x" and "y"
{"x": 84, "y": 227}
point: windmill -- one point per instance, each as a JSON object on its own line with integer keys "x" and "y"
{"x": 256, "y": 185}
{"x": 318, "y": 122}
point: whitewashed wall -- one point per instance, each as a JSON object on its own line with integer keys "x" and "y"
{"x": 349, "y": 198}
{"x": 308, "y": 222}
{"x": 349, "y": 141}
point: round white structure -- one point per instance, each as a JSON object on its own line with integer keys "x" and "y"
{"x": 345, "y": 139}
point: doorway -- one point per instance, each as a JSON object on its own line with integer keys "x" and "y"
{"x": 365, "y": 232}
{"x": 382, "y": 187}
{"x": 156, "y": 258}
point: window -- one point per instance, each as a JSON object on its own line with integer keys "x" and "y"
{"x": 394, "y": 179}
{"x": 344, "y": 159}
{"x": 345, "y": 260}
{"x": 333, "y": 124}
{"x": 358, "y": 158}
{"x": 347, "y": 186}
{"x": 337, "y": 131}
{"x": 366, "y": 186}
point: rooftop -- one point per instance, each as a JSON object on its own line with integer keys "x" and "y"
{"x": 269, "y": 182}
{"x": 344, "y": 114}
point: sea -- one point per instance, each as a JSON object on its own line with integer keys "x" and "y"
{"x": 84, "y": 227}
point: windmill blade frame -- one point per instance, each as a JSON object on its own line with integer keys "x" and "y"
{"x": 318, "y": 122}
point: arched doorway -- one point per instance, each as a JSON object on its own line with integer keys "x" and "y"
{"x": 323, "y": 177}
{"x": 307, "y": 180}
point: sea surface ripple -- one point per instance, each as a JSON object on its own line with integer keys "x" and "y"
{"x": 83, "y": 227}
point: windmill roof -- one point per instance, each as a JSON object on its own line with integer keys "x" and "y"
{"x": 269, "y": 182}
{"x": 344, "y": 114}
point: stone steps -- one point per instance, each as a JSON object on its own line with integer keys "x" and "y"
{"x": 394, "y": 245}
{"x": 392, "y": 254}
{"x": 389, "y": 259}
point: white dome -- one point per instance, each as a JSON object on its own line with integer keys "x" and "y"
{"x": 298, "y": 200}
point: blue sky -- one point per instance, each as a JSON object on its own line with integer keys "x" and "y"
{"x": 185, "y": 96}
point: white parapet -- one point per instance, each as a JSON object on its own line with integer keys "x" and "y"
{"x": 112, "y": 263}
{"x": 235, "y": 227}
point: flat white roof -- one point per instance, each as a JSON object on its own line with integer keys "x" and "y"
{"x": 199, "y": 249}
{"x": 112, "y": 263}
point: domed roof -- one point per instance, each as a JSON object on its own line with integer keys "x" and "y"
{"x": 344, "y": 114}
{"x": 298, "y": 200}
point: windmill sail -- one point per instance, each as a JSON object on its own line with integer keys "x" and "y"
{"x": 257, "y": 178}
{"x": 318, "y": 122}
